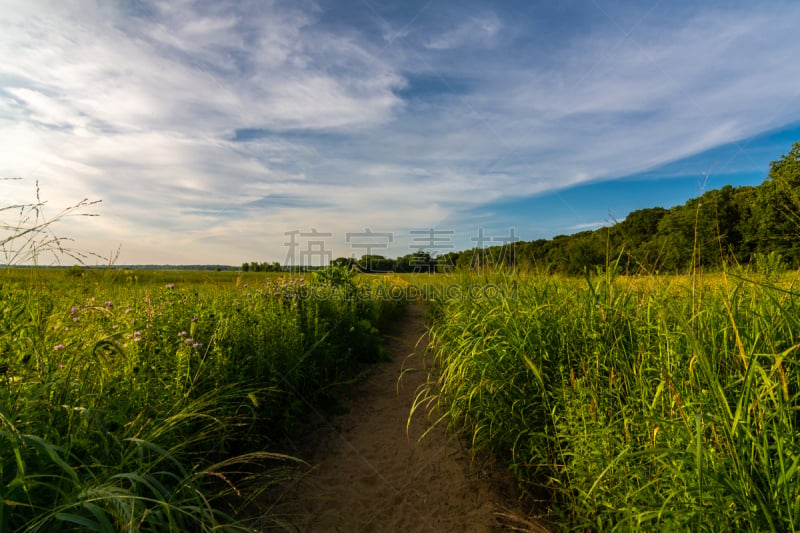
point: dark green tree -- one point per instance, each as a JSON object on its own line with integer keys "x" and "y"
{"x": 778, "y": 208}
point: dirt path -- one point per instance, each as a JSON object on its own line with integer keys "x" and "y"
{"x": 367, "y": 474}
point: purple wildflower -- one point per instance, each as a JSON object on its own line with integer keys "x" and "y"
{"x": 170, "y": 285}
{"x": 109, "y": 304}
{"x": 197, "y": 345}
{"x": 58, "y": 347}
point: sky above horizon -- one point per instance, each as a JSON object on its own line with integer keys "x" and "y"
{"x": 217, "y": 132}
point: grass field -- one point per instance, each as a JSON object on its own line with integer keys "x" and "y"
{"x": 651, "y": 403}
{"x": 152, "y": 401}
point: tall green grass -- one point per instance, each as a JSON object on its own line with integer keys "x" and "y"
{"x": 655, "y": 403}
{"x": 130, "y": 405}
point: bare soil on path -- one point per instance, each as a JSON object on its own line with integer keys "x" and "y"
{"x": 369, "y": 475}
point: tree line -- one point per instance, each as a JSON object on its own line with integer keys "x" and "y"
{"x": 727, "y": 226}
{"x": 731, "y": 225}
{"x": 254, "y": 266}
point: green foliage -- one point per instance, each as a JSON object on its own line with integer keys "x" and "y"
{"x": 127, "y": 404}
{"x": 778, "y": 227}
{"x": 376, "y": 263}
{"x": 254, "y": 266}
{"x": 335, "y": 277}
{"x": 661, "y": 405}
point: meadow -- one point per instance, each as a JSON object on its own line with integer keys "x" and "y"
{"x": 651, "y": 403}
{"x": 157, "y": 401}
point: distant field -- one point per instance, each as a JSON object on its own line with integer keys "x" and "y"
{"x": 141, "y": 277}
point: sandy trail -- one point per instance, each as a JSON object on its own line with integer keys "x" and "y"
{"x": 369, "y": 475}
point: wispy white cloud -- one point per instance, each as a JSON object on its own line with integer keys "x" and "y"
{"x": 589, "y": 226}
{"x": 474, "y": 31}
{"x": 229, "y": 123}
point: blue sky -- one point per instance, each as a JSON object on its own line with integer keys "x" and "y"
{"x": 213, "y": 130}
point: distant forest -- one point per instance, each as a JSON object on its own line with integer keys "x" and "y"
{"x": 728, "y": 226}
{"x": 722, "y": 227}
